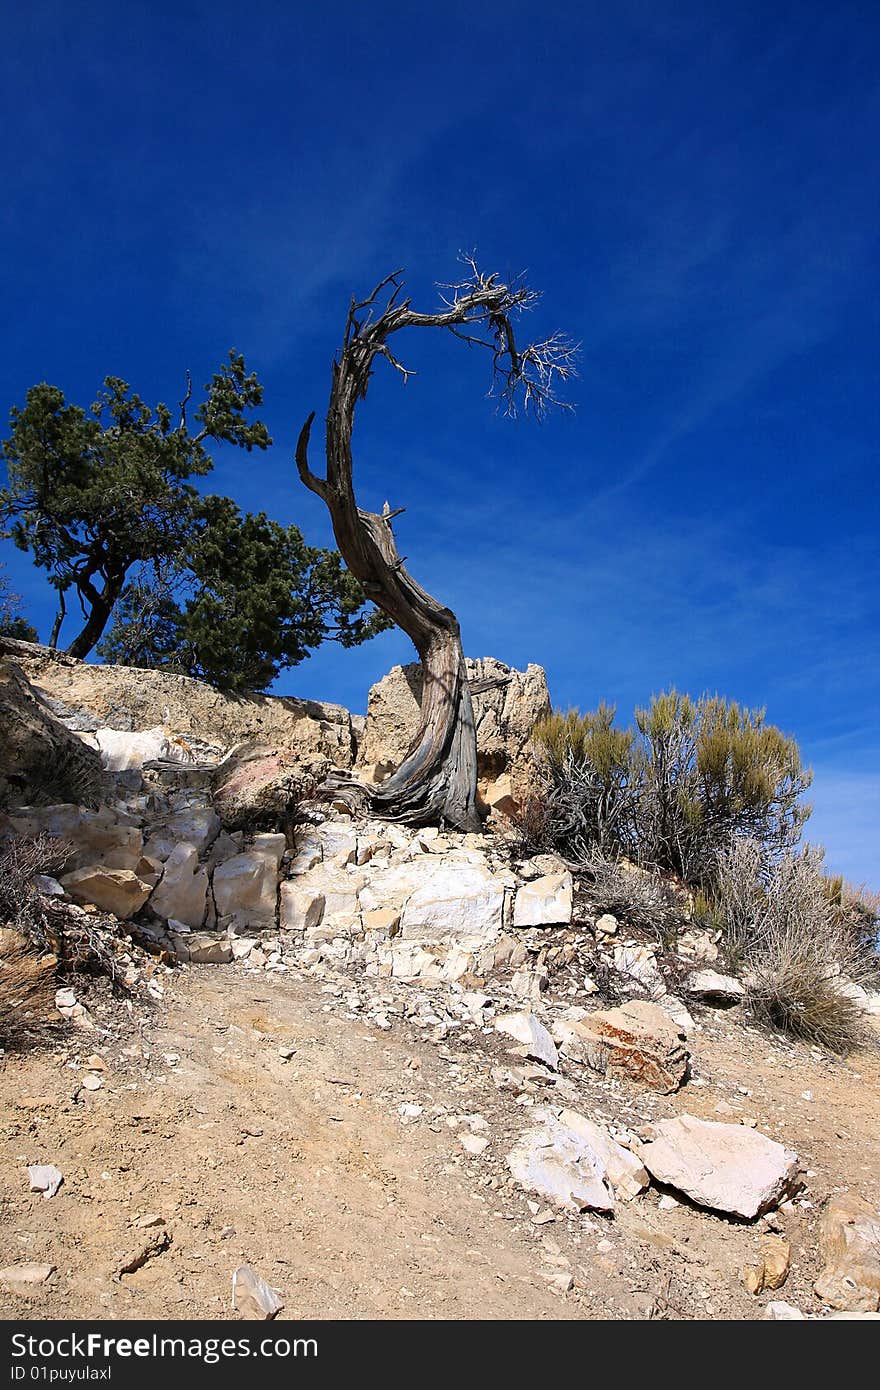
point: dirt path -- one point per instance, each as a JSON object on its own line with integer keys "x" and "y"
{"x": 306, "y": 1169}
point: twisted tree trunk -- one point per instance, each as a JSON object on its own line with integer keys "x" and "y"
{"x": 437, "y": 780}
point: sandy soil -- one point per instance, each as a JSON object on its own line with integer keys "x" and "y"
{"x": 306, "y": 1169}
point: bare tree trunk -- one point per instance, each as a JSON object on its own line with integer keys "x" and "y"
{"x": 59, "y": 619}
{"x": 437, "y": 780}
{"x": 102, "y": 602}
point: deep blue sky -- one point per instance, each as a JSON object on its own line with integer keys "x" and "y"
{"x": 694, "y": 188}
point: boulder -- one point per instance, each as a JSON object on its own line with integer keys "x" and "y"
{"x": 246, "y": 886}
{"x": 559, "y": 1164}
{"x": 203, "y": 948}
{"x": 544, "y": 902}
{"x": 728, "y": 1168}
{"x": 40, "y": 759}
{"x": 507, "y": 705}
{"x": 452, "y": 901}
{"x": 712, "y": 988}
{"x": 849, "y": 1236}
{"x": 182, "y": 893}
{"x": 192, "y": 825}
{"x": 258, "y": 786}
{"x": 532, "y": 1035}
{"x": 623, "y": 1170}
{"x": 638, "y": 1040}
{"x": 122, "y": 750}
{"x": 301, "y": 907}
{"x": 106, "y": 837}
{"x": 639, "y": 964}
{"x": 119, "y": 891}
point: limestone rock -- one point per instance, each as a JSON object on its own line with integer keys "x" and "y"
{"x": 127, "y": 698}
{"x": 559, "y": 1164}
{"x": 712, "y": 988}
{"x": 119, "y": 891}
{"x": 203, "y": 948}
{"x": 639, "y": 963}
{"x": 122, "y": 750}
{"x": 301, "y": 907}
{"x": 252, "y": 1296}
{"x": 527, "y": 1030}
{"x": 192, "y": 825}
{"x": 246, "y": 886}
{"x": 626, "y": 1174}
{"x": 452, "y": 901}
{"x": 637, "y": 1040}
{"x": 849, "y": 1236}
{"x": 728, "y": 1168}
{"x": 258, "y": 786}
{"x": 22, "y": 1277}
{"x": 545, "y": 901}
{"x": 103, "y": 837}
{"x": 45, "y": 1178}
{"x": 183, "y": 891}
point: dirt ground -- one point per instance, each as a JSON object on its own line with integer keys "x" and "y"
{"x": 306, "y": 1169}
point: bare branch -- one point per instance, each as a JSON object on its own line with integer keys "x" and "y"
{"x": 312, "y": 482}
{"x": 183, "y": 404}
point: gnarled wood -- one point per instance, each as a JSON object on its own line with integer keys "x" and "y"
{"x": 437, "y": 780}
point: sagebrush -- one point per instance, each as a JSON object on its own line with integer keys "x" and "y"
{"x": 795, "y": 948}
{"x": 672, "y": 792}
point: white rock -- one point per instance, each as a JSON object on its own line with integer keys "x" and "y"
{"x": 193, "y": 825}
{"x": 714, "y": 988}
{"x": 252, "y": 1296}
{"x": 452, "y": 901}
{"x": 122, "y": 750}
{"x": 23, "y": 1276}
{"x": 726, "y": 1167}
{"x": 780, "y": 1311}
{"x": 301, "y": 907}
{"x": 607, "y": 924}
{"x": 119, "y": 891}
{"x": 182, "y": 893}
{"x": 623, "y": 1170}
{"x": 474, "y": 1144}
{"x": 640, "y": 964}
{"x": 527, "y": 1030}
{"x": 545, "y": 901}
{"x": 45, "y": 1178}
{"x": 559, "y": 1164}
{"x": 246, "y": 886}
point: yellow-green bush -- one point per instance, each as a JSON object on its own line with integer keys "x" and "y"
{"x": 673, "y": 791}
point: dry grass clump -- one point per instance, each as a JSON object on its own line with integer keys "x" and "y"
{"x": 27, "y": 993}
{"x": 794, "y": 946}
{"x": 642, "y": 900}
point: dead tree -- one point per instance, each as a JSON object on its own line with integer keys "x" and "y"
{"x": 437, "y": 780}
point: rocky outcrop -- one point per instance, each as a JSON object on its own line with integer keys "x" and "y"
{"x": 507, "y": 705}
{"x": 40, "y": 759}
{"x": 129, "y": 699}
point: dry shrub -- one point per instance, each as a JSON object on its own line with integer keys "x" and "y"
{"x": 21, "y": 862}
{"x": 793, "y": 945}
{"x": 642, "y": 900}
{"x": 27, "y": 994}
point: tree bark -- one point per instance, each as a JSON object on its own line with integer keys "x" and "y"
{"x": 437, "y": 780}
